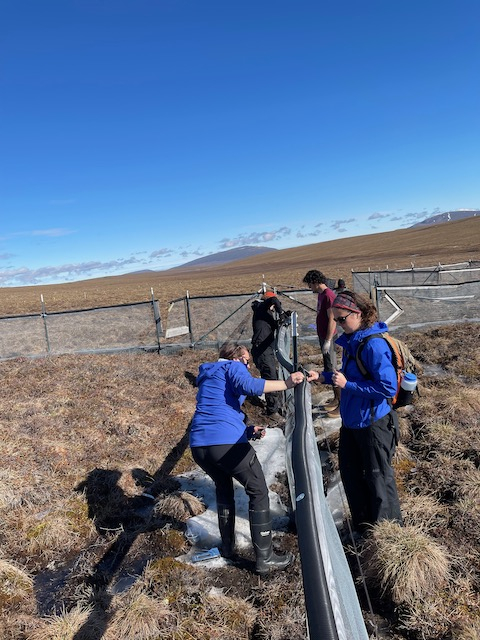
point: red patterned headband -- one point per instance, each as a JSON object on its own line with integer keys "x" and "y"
{"x": 345, "y": 302}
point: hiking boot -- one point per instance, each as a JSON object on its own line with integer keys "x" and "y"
{"x": 330, "y": 405}
{"x": 334, "y": 414}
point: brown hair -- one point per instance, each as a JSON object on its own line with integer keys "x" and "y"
{"x": 368, "y": 310}
{"x": 232, "y": 350}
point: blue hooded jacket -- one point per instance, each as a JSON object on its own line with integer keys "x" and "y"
{"x": 222, "y": 389}
{"x": 363, "y": 400}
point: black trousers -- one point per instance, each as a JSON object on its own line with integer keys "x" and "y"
{"x": 365, "y": 461}
{"x": 223, "y": 462}
{"x": 266, "y": 363}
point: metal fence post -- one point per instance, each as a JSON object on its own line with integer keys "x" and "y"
{"x": 44, "y": 316}
{"x": 189, "y": 321}
{"x": 157, "y": 318}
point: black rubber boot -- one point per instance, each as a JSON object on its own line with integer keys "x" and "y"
{"x": 261, "y": 530}
{"x": 226, "y": 525}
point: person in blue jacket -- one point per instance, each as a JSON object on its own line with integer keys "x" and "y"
{"x": 368, "y": 434}
{"x": 219, "y": 445}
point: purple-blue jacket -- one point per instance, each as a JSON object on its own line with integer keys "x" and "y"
{"x": 222, "y": 389}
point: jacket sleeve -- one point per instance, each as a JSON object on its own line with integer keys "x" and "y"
{"x": 243, "y": 383}
{"x": 277, "y": 304}
{"x": 382, "y": 383}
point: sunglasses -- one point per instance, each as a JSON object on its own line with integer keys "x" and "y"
{"x": 343, "y": 319}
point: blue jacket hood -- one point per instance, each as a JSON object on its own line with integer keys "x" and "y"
{"x": 209, "y": 369}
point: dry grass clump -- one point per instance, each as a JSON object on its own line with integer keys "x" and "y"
{"x": 453, "y": 613}
{"x": 425, "y": 512}
{"x": 282, "y": 609}
{"x": 405, "y": 563}
{"x": 16, "y": 584}
{"x": 141, "y": 617}
{"x": 67, "y": 625}
{"x": 161, "y": 603}
{"x": 180, "y": 505}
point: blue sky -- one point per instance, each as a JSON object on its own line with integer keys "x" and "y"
{"x": 144, "y": 134}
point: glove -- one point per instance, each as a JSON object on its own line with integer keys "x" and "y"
{"x": 326, "y": 346}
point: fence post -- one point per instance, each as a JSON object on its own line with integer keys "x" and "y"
{"x": 157, "y": 318}
{"x": 44, "y": 316}
{"x": 189, "y": 321}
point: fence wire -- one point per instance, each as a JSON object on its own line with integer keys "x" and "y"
{"x": 209, "y": 321}
{"x": 134, "y": 326}
{"x": 423, "y": 305}
{"x": 213, "y": 320}
{"x": 365, "y": 281}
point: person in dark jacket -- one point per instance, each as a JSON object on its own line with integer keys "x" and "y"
{"x": 264, "y": 325}
{"x": 219, "y": 445}
{"x": 368, "y": 434}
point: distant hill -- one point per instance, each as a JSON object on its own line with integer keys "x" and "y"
{"x": 222, "y": 257}
{"x": 448, "y": 216}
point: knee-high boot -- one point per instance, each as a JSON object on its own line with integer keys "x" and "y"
{"x": 261, "y": 530}
{"x": 226, "y": 525}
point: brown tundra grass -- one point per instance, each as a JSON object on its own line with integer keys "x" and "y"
{"x": 84, "y": 436}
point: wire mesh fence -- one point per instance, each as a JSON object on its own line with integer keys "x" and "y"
{"x": 365, "y": 281}
{"x": 209, "y": 321}
{"x": 428, "y": 304}
{"x": 212, "y": 320}
{"x": 116, "y": 328}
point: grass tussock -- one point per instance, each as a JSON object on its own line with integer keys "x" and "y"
{"x": 453, "y": 613}
{"x": 67, "y": 625}
{"x": 16, "y": 584}
{"x": 141, "y": 617}
{"x": 180, "y": 505}
{"x": 162, "y": 601}
{"x": 424, "y": 512}
{"x": 405, "y": 562}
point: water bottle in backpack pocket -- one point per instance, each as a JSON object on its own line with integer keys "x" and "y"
{"x": 408, "y": 385}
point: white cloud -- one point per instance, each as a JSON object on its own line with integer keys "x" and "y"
{"x": 261, "y": 237}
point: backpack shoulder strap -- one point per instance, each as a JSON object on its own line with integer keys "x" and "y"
{"x": 358, "y": 355}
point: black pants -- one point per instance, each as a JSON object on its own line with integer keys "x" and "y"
{"x": 223, "y": 462}
{"x": 266, "y": 363}
{"x": 365, "y": 457}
